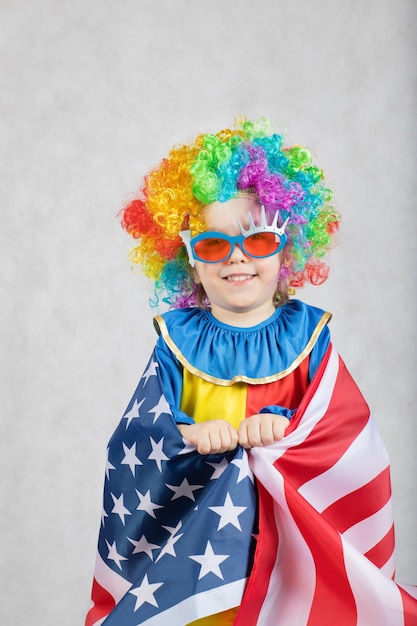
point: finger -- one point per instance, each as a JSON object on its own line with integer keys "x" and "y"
{"x": 243, "y": 435}
{"x": 216, "y": 443}
{"x": 226, "y": 440}
{"x": 255, "y": 433}
{"x": 267, "y": 435}
{"x": 230, "y": 439}
{"x": 203, "y": 446}
{"x": 250, "y": 434}
{"x": 279, "y": 428}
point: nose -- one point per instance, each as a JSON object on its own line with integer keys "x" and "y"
{"x": 237, "y": 255}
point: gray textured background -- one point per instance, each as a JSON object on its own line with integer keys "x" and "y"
{"x": 93, "y": 94}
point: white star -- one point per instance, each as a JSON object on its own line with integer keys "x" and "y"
{"x": 173, "y": 530}
{"x": 157, "y": 453}
{"x": 219, "y": 468}
{"x": 134, "y": 412}
{"x": 172, "y": 540}
{"x": 185, "y": 489}
{"x": 145, "y": 503}
{"x": 209, "y": 562}
{"x": 160, "y": 408}
{"x": 228, "y": 513}
{"x": 244, "y": 469}
{"x": 151, "y": 371}
{"x": 145, "y": 593}
{"x": 114, "y": 555}
{"x": 169, "y": 546}
{"x": 130, "y": 457}
{"x": 103, "y": 515}
{"x": 143, "y": 545}
{"x": 109, "y": 466}
{"x": 119, "y": 508}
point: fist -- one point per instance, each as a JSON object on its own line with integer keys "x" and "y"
{"x": 211, "y": 437}
{"x": 262, "y": 429}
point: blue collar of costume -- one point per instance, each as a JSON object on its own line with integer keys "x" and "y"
{"x": 227, "y": 354}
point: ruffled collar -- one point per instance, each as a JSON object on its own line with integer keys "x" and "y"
{"x": 227, "y": 354}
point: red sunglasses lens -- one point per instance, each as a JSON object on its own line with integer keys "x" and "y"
{"x": 261, "y": 244}
{"x": 212, "y": 249}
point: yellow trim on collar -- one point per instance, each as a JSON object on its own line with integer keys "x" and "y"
{"x": 325, "y": 318}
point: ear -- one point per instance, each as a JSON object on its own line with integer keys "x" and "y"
{"x": 196, "y": 277}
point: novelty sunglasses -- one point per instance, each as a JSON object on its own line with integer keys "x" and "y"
{"x": 258, "y": 241}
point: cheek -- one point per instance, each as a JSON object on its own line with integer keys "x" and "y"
{"x": 275, "y": 266}
{"x": 205, "y": 273}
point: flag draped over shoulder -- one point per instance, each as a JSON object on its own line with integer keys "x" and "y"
{"x": 326, "y": 539}
{"x": 177, "y": 539}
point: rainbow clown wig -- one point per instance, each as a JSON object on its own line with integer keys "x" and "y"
{"x": 217, "y": 167}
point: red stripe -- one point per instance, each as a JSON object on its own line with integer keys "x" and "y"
{"x": 265, "y": 557}
{"x": 410, "y": 608}
{"x": 383, "y": 550}
{"x": 345, "y": 418}
{"x": 333, "y": 595}
{"x": 104, "y": 603}
{"x": 360, "y": 504}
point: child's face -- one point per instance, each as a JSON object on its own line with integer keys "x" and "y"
{"x": 241, "y": 289}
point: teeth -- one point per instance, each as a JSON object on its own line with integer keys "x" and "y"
{"x": 239, "y": 277}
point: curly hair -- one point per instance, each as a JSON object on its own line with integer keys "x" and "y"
{"x": 216, "y": 167}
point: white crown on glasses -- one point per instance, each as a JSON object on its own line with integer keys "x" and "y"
{"x": 263, "y": 225}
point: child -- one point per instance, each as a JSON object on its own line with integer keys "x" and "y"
{"x": 246, "y": 483}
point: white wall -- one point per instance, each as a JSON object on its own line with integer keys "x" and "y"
{"x": 93, "y": 94}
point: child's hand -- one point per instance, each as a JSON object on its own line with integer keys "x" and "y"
{"x": 212, "y": 437}
{"x": 262, "y": 429}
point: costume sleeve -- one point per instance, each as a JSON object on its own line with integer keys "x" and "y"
{"x": 277, "y": 409}
{"x": 170, "y": 370}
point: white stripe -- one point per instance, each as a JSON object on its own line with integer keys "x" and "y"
{"x": 294, "y": 568}
{"x": 367, "y": 533}
{"x": 313, "y": 414}
{"x": 116, "y": 585}
{"x": 200, "y": 605}
{"x": 378, "y": 599}
{"x": 353, "y": 470}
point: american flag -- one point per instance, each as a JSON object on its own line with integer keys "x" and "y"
{"x": 309, "y": 543}
{"x": 177, "y": 529}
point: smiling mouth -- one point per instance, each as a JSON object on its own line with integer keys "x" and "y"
{"x": 238, "y": 278}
